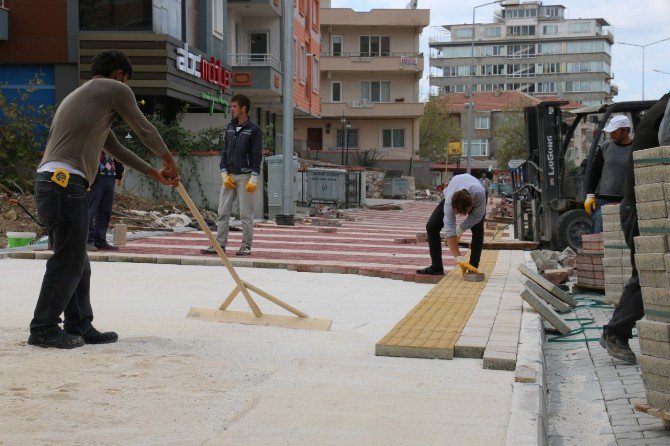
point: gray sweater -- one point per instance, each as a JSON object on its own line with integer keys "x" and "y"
{"x": 81, "y": 128}
{"x": 476, "y": 190}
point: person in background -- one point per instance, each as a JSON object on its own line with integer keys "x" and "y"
{"x": 101, "y": 200}
{"x": 486, "y": 184}
{"x": 80, "y": 129}
{"x": 603, "y": 180}
{"x": 241, "y": 158}
{"x": 464, "y": 195}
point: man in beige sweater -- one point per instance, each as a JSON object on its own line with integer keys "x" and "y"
{"x": 80, "y": 129}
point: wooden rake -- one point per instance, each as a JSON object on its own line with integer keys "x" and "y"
{"x": 221, "y": 314}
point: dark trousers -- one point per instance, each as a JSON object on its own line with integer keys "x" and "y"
{"x": 433, "y": 229}
{"x": 630, "y": 308}
{"x": 66, "y": 283}
{"x": 100, "y": 201}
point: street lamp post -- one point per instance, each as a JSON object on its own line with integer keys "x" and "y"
{"x": 344, "y": 137}
{"x": 643, "y": 51}
{"x": 471, "y": 99}
{"x": 346, "y": 143}
{"x": 661, "y": 71}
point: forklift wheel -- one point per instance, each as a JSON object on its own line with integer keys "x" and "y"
{"x": 569, "y": 229}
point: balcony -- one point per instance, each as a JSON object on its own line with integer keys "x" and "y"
{"x": 256, "y": 74}
{"x": 256, "y": 8}
{"x": 361, "y": 108}
{"x": 410, "y": 62}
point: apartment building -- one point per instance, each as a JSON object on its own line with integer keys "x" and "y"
{"x": 370, "y": 68}
{"x": 529, "y": 46}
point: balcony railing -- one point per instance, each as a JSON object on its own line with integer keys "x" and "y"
{"x": 370, "y": 54}
{"x": 255, "y": 59}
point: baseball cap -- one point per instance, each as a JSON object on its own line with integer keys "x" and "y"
{"x": 617, "y": 122}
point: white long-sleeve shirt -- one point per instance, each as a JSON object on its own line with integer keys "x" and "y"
{"x": 478, "y": 194}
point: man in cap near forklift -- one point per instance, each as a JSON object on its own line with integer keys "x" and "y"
{"x": 619, "y": 329}
{"x": 603, "y": 183}
{"x": 464, "y": 195}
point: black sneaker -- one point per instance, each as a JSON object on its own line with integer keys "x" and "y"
{"x": 55, "y": 338}
{"x": 211, "y": 250}
{"x": 93, "y": 336}
{"x": 243, "y": 251}
{"x": 617, "y": 347}
{"x": 430, "y": 271}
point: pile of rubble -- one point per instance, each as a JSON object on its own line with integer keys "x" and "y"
{"x": 555, "y": 266}
{"x": 374, "y": 184}
{"x": 502, "y": 212}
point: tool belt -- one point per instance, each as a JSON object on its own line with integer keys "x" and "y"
{"x": 70, "y": 179}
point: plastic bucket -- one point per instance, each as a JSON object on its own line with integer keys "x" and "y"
{"x": 16, "y": 239}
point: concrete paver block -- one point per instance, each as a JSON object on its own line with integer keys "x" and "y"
{"x": 651, "y": 244}
{"x": 657, "y": 349}
{"x": 656, "y": 331}
{"x": 649, "y": 192}
{"x": 655, "y": 366}
{"x": 651, "y": 174}
{"x": 610, "y": 209}
{"x": 652, "y": 210}
{"x": 499, "y": 360}
{"x": 659, "y": 400}
{"x": 656, "y": 383}
{"x": 555, "y": 302}
{"x": 654, "y": 279}
{"x": 663, "y": 223}
{"x": 546, "y": 311}
{"x": 544, "y": 283}
{"x": 650, "y": 262}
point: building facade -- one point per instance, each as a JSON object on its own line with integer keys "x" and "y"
{"x": 370, "y": 68}
{"x": 529, "y": 47}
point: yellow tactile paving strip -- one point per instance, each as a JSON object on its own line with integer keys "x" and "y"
{"x": 432, "y": 327}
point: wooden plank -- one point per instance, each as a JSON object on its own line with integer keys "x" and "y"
{"x": 544, "y": 283}
{"x": 268, "y": 320}
{"x": 545, "y": 311}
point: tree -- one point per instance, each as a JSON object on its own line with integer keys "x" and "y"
{"x": 510, "y": 135}
{"x": 437, "y": 127}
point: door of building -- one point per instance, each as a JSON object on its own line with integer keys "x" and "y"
{"x": 315, "y": 139}
{"x": 258, "y": 45}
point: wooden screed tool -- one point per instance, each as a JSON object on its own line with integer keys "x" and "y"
{"x": 221, "y": 314}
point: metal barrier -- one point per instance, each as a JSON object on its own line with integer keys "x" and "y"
{"x": 330, "y": 186}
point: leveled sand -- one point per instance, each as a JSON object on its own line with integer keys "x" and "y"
{"x": 171, "y": 380}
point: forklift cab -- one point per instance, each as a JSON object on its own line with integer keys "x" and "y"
{"x": 548, "y": 188}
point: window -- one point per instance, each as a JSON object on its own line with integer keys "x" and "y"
{"x": 520, "y": 13}
{"x": 376, "y": 91}
{"x": 302, "y": 7}
{"x": 549, "y": 48}
{"x": 549, "y": 68}
{"x": 315, "y": 15}
{"x": 521, "y": 70}
{"x": 303, "y": 64}
{"x": 492, "y": 31}
{"x": 546, "y": 87}
{"x": 521, "y": 30}
{"x": 520, "y": 51}
{"x": 393, "y": 138}
{"x": 549, "y": 30}
{"x": 217, "y": 18}
{"x": 482, "y": 122}
{"x": 587, "y": 46}
{"x": 479, "y": 147}
{"x": 130, "y": 15}
{"x": 457, "y": 51}
{"x": 375, "y": 46}
{"x": 316, "y": 77}
{"x": 336, "y": 45}
{"x": 579, "y": 27}
{"x": 463, "y": 33}
{"x": 352, "y": 138}
{"x": 493, "y": 70}
{"x": 336, "y": 91}
{"x": 552, "y": 12}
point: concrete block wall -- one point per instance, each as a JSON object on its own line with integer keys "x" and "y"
{"x": 652, "y": 258}
{"x": 616, "y": 261}
{"x": 590, "y": 270}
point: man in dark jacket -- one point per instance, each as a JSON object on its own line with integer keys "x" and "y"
{"x": 101, "y": 200}
{"x": 619, "y": 330}
{"x": 240, "y": 167}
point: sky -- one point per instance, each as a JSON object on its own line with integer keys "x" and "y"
{"x": 633, "y": 21}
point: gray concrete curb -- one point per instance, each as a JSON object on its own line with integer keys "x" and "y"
{"x": 528, "y": 423}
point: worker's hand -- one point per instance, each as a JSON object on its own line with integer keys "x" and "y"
{"x": 159, "y": 176}
{"x": 251, "y": 184}
{"x": 590, "y": 204}
{"x": 170, "y": 170}
{"x": 119, "y": 182}
{"x": 465, "y": 266}
{"x": 228, "y": 181}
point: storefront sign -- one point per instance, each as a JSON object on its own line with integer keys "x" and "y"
{"x": 216, "y": 99}
{"x": 207, "y": 70}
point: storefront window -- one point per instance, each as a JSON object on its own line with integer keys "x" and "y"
{"x": 99, "y": 15}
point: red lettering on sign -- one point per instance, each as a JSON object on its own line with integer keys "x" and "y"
{"x": 212, "y": 71}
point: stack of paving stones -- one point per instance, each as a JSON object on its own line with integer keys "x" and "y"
{"x": 617, "y": 255}
{"x": 590, "y": 271}
{"x": 652, "y": 257}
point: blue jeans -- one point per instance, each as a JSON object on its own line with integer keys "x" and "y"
{"x": 597, "y": 216}
{"x": 100, "y": 201}
{"x": 66, "y": 283}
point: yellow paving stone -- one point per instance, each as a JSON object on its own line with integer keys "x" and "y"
{"x": 432, "y": 327}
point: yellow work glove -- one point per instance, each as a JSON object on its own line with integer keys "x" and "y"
{"x": 251, "y": 184}
{"x": 228, "y": 181}
{"x": 590, "y": 204}
{"x": 465, "y": 266}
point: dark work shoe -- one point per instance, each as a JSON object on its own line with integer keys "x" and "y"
{"x": 617, "y": 347}
{"x": 93, "y": 336}
{"x": 243, "y": 251}
{"x": 106, "y": 247}
{"x": 430, "y": 271}
{"x": 55, "y": 338}
{"x": 211, "y": 250}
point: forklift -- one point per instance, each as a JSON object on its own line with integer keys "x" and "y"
{"x": 548, "y": 187}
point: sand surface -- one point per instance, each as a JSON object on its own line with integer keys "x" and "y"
{"x": 175, "y": 381}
